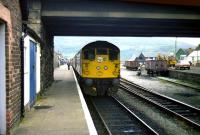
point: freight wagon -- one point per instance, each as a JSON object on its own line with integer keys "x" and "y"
{"x": 132, "y": 65}
{"x": 156, "y": 67}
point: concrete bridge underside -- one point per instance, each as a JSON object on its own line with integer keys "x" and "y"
{"x": 116, "y": 18}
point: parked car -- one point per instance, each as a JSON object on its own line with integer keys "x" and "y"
{"x": 182, "y": 64}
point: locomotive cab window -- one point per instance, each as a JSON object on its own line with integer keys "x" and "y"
{"x": 89, "y": 54}
{"x": 113, "y": 54}
{"x": 101, "y": 51}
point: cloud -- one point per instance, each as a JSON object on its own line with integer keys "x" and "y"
{"x": 70, "y": 45}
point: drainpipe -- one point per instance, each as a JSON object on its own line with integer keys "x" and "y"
{"x": 22, "y": 68}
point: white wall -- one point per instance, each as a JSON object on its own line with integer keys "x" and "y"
{"x": 2, "y": 81}
{"x": 27, "y": 69}
{"x": 193, "y": 57}
{"x": 38, "y": 55}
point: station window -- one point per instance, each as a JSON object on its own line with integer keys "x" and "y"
{"x": 89, "y": 54}
{"x": 102, "y": 51}
{"x": 113, "y": 54}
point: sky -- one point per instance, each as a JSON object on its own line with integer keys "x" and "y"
{"x": 69, "y": 45}
{"x": 193, "y": 41}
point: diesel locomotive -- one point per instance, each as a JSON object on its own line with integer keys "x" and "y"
{"x": 97, "y": 66}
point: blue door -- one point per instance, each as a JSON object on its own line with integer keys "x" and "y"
{"x": 32, "y": 72}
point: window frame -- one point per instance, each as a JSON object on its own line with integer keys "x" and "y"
{"x": 102, "y": 49}
{"x": 88, "y": 54}
{"x": 116, "y": 51}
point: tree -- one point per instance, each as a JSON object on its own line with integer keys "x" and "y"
{"x": 198, "y": 47}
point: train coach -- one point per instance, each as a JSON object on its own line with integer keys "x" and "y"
{"x": 97, "y": 66}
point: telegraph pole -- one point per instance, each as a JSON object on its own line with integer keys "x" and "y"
{"x": 175, "y": 47}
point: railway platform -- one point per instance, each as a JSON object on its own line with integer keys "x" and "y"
{"x": 192, "y": 75}
{"x": 61, "y": 111}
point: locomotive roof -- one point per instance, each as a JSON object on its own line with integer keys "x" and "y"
{"x": 101, "y": 44}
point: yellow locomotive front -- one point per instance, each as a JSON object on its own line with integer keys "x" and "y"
{"x": 100, "y": 68}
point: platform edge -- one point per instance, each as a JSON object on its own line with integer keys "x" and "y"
{"x": 88, "y": 118}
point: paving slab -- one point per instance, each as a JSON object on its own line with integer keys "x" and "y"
{"x": 58, "y": 112}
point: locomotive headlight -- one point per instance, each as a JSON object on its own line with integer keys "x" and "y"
{"x": 98, "y": 67}
{"x": 99, "y": 59}
{"x": 106, "y": 68}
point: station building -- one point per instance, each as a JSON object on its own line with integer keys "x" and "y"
{"x": 25, "y": 60}
{"x": 10, "y": 62}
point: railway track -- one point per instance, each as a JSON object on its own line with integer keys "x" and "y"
{"x": 188, "y": 113}
{"x": 118, "y": 119}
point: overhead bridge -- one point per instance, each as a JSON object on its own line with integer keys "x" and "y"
{"x": 116, "y": 18}
{"x": 119, "y": 18}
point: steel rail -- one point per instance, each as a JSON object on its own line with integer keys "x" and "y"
{"x": 99, "y": 114}
{"x": 186, "y": 112}
{"x": 131, "y": 112}
{"x": 120, "y": 114}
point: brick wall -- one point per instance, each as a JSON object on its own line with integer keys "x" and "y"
{"x": 47, "y": 62}
{"x": 10, "y": 13}
{"x": 12, "y": 17}
{"x": 36, "y": 24}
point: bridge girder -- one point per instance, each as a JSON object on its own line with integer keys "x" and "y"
{"x": 119, "y": 18}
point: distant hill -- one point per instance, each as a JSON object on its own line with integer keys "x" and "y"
{"x": 152, "y": 49}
